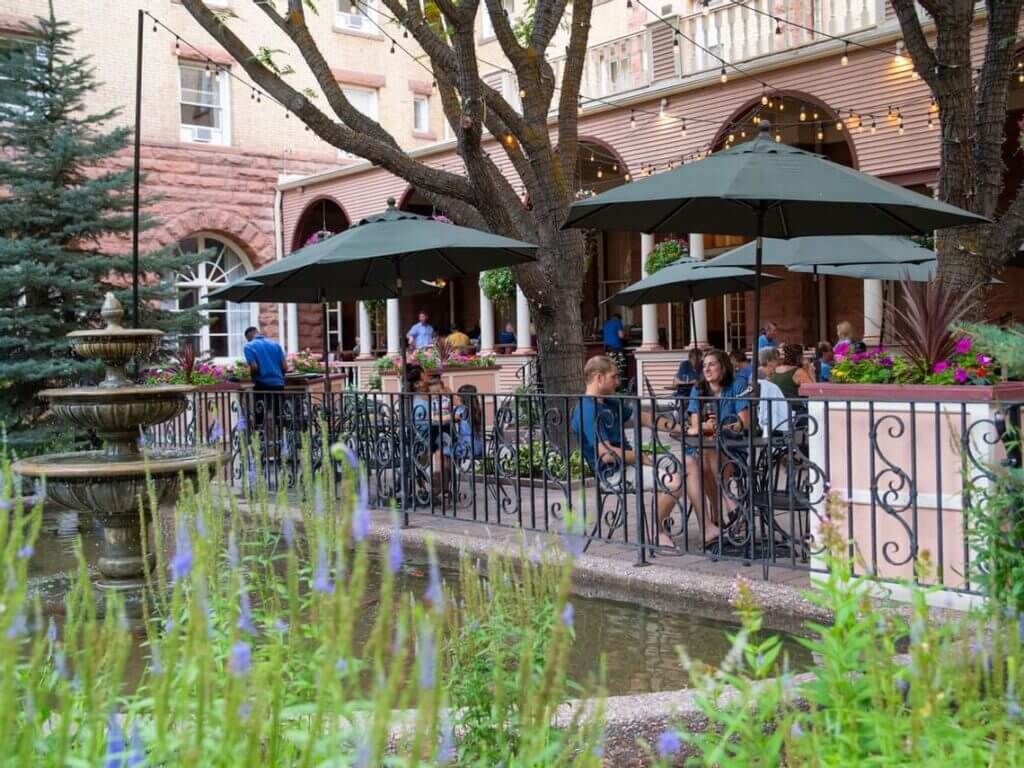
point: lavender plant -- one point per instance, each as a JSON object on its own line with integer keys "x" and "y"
{"x": 251, "y": 655}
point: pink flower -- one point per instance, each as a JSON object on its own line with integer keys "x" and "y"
{"x": 841, "y": 348}
{"x": 940, "y": 366}
{"x": 983, "y": 359}
{"x": 960, "y": 377}
{"x": 963, "y": 346}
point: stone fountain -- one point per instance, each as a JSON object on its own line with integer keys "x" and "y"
{"x": 109, "y": 482}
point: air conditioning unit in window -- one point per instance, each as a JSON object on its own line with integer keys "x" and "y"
{"x": 197, "y": 134}
{"x": 355, "y": 21}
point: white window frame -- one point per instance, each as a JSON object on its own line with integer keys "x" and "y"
{"x": 418, "y": 99}
{"x": 192, "y": 134}
{"x": 374, "y": 113}
{"x": 203, "y": 279}
{"x": 486, "y": 25}
{"x": 362, "y": 22}
{"x": 29, "y": 41}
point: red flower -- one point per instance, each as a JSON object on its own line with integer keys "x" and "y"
{"x": 982, "y": 372}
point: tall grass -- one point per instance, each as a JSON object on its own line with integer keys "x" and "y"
{"x": 251, "y": 656}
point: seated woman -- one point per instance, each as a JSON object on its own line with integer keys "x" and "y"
{"x": 790, "y": 373}
{"x": 715, "y": 408}
{"x": 467, "y": 425}
{"x": 687, "y": 373}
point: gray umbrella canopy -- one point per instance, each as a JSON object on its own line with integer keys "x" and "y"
{"x": 383, "y": 254}
{"x": 920, "y": 272}
{"x": 247, "y": 289}
{"x": 768, "y": 189}
{"x": 832, "y": 251}
{"x": 688, "y": 280}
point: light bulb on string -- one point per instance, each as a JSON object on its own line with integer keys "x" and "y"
{"x": 522, "y": 93}
{"x": 392, "y": 45}
{"x": 901, "y": 125}
{"x": 771, "y": 104}
{"x": 252, "y": 94}
{"x": 819, "y": 134}
{"x": 600, "y": 172}
{"x": 675, "y": 40}
{"x": 632, "y": 120}
{"x": 934, "y": 107}
{"x": 706, "y": 9}
{"x": 177, "y": 46}
{"x": 682, "y": 128}
{"x": 815, "y": 115}
{"x": 931, "y": 123}
{"x": 405, "y": 33}
{"x": 757, "y": 119}
{"x": 723, "y": 77}
{"x": 743, "y": 133}
{"x": 732, "y": 138}
{"x": 591, "y": 156}
{"x": 874, "y": 127}
{"x": 898, "y": 58}
{"x": 778, "y": 138}
{"x": 615, "y": 167}
{"x": 782, "y": 106}
{"x": 803, "y": 113}
{"x": 154, "y": 25}
{"x": 206, "y": 73}
{"x": 764, "y": 98}
{"x": 845, "y": 59}
{"x": 661, "y": 107}
{"x": 627, "y": 177}
{"x": 839, "y": 125}
{"x": 778, "y": 27}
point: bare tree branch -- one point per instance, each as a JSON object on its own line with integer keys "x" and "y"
{"x": 337, "y": 134}
{"x": 917, "y": 44}
{"x": 572, "y": 74}
{"x": 547, "y": 17}
{"x": 503, "y": 32}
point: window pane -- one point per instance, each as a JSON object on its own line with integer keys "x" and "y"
{"x": 364, "y": 101}
{"x": 201, "y": 116}
{"x": 421, "y": 114}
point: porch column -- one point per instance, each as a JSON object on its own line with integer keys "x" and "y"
{"x": 872, "y": 311}
{"x": 394, "y": 328}
{"x": 524, "y": 345}
{"x": 365, "y": 334}
{"x": 293, "y": 329}
{"x": 699, "y": 332}
{"x": 486, "y": 323}
{"x": 648, "y": 312}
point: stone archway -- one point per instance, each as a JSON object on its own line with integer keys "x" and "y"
{"x": 257, "y": 245}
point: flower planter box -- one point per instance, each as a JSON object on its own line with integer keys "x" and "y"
{"x": 226, "y": 386}
{"x": 484, "y": 379}
{"x": 893, "y": 452}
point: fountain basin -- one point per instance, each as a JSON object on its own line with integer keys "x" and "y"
{"x": 110, "y": 488}
{"x": 117, "y": 413}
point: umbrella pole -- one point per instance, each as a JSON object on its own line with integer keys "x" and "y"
{"x": 817, "y": 309}
{"x": 403, "y": 384}
{"x": 327, "y": 369}
{"x": 758, "y": 258}
{"x": 693, "y": 321}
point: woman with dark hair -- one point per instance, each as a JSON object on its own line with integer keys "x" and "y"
{"x": 716, "y": 408}
{"x": 468, "y": 418}
{"x": 790, "y": 372}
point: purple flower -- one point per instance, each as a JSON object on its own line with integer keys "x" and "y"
{"x": 395, "y": 549}
{"x": 233, "y": 557}
{"x": 115, "y": 743}
{"x": 885, "y": 362}
{"x": 427, "y": 654}
{"x": 573, "y": 540}
{"x": 137, "y": 756}
{"x": 245, "y": 612}
{"x": 341, "y": 667}
{"x": 288, "y": 529}
{"x": 361, "y": 514}
{"x": 241, "y": 659}
{"x": 155, "y": 666}
{"x": 25, "y": 552}
{"x": 434, "y": 594}
{"x": 51, "y": 631}
{"x": 568, "y": 613}
{"x": 796, "y": 730}
{"x": 322, "y": 576}
{"x": 181, "y": 563}
{"x": 201, "y": 528}
{"x": 281, "y": 625}
{"x": 668, "y": 744}
{"x": 940, "y": 366}
{"x": 252, "y": 477}
{"x": 983, "y": 359}
{"x": 18, "y": 627}
{"x": 963, "y": 346}
{"x": 286, "y": 449}
{"x": 960, "y": 376}
{"x": 446, "y": 749}
{"x": 217, "y": 433}
{"x": 318, "y": 501}
{"x": 241, "y": 425}
{"x": 60, "y": 663}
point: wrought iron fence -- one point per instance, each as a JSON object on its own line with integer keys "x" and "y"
{"x": 742, "y": 479}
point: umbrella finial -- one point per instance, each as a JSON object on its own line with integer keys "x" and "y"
{"x": 391, "y": 202}
{"x": 766, "y": 128}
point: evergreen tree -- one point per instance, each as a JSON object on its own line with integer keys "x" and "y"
{"x": 65, "y": 224}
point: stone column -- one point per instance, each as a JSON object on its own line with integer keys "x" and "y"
{"x": 394, "y": 328}
{"x": 648, "y": 312}
{"x": 699, "y": 332}
{"x": 365, "y": 334}
{"x": 872, "y": 311}
{"x": 293, "y": 329}
{"x": 486, "y": 323}
{"x": 524, "y": 345}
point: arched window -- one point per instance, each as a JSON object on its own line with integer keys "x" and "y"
{"x": 222, "y": 335}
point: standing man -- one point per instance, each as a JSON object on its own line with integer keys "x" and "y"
{"x": 767, "y": 339}
{"x": 267, "y": 364}
{"x": 421, "y": 335}
{"x": 612, "y": 334}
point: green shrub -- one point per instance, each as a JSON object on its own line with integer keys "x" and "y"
{"x": 665, "y": 253}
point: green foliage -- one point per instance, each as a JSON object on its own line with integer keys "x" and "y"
{"x": 950, "y": 699}
{"x": 251, "y": 653}
{"x": 965, "y": 365}
{"x": 498, "y": 285}
{"x": 996, "y": 532}
{"x": 64, "y": 205}
{"x": 535, "y": 459}
{"x": 665, "y": 253}
{"x": 1005, "y": 344}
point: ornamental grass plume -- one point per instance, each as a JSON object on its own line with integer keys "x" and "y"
{"x": 244, "y": 664}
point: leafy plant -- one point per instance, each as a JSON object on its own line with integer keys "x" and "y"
{"x": 1005, "y": 344}
{"x": 499, "y": 285}
{"x": 925, "y": 327}
{"x": 443, "y": 350}
{"x": 665, "y": 253}
{"x": 185, "y": 357}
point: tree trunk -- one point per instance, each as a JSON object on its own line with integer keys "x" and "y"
{"x": 555, "y": 292}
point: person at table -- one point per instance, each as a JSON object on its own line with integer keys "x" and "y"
{"x": 687, "y": 373}
{"x": 769, "y": 361}
{"x": 267, "y": 368}
{"x": 421, "y": 335}
{"x": 598, "y": 420}
{"x": 612, "y": 334}
{"x": 459, "y": 341}
{"x": 467, "y": 422}
{"x": 823, "y": 361}
{"x": 426, "y": 425}
{"x": 768, "y": 336}
{"x": 508, "y": 336}
{"x": 716, "y": 409}
{"x": 844, "y": 333}
{"x": 790, "y": 373}
{"x": 741, "y": 367}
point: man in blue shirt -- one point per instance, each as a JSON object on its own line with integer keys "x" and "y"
{"x": 598, "y": 421}
{"x": 740, "y": 367}
{"x": 421, "y": 335}
{"x": 767, "y": 339}
{"x": 507, "y": 336}
{"x": 267, "y": 364}
{"x": 612, "y": 333}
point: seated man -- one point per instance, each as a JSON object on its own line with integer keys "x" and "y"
{"x": 687, "y": 373}
{"x": 596, "y": 422}
{"x": 741, "y": 368}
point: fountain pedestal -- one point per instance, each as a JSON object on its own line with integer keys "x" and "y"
{"x": 113, "y": 484}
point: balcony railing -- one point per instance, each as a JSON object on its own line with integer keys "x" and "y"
{"x": 616, "y": 66}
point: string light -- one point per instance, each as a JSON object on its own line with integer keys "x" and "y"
{"x": 764, "y": 97}
{"x": 522, "y": 93}
{"x": 682, "y": 128}
{"x": 778, "y": 26}
{"x": 392, "y": 45}
{"x": 782, "y": 106}
{"x": 632, "y": 120}
{"x": 803, "y": 113}
{"x": 931, "y": 123}
{"x": 778, "y": 138}
{"x": 675, "y": 40}
{"x": 901, "y": 124}
{"x": 819, "y": 134}
{"x": 846, "y": 56}
{"x": 661, "y": 107}
{"x": 839, "y": 125}
{"x": 177, "y": 46}
{"x": 723, "y": 77}
{"x": 898, "y": 58}
{"x": 579, "y": 104}
{"x": 600, "y": 172}
{"x": 627, "y": 177}
{"x": 706, "y": 10}
{"x": 873, "y": 126}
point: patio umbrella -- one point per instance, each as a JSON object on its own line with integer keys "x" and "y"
{"x": 690, "y": 280}
{"x": 247, "y": 289}
{"x": 831, "y": 251}
{"x": 766, "y": 189}
{"x": 920, "y": 272}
